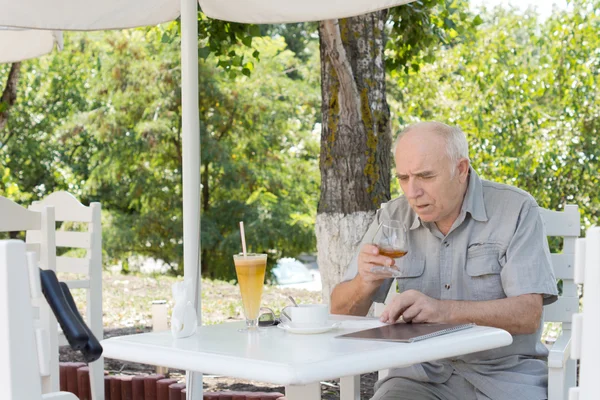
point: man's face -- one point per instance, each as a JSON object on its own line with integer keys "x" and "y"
{"x": 425, "y": 174}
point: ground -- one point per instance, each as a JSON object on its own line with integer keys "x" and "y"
{"x": 127, "y": 310}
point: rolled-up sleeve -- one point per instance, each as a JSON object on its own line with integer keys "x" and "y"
{"x": 527, "y": 267}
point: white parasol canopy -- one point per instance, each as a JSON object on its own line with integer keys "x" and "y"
{"x": 90, "y": 15}
{"x": 22, "y": 44}
{"x": 281, "y": 11}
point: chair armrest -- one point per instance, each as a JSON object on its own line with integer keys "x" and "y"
{"x": 560, "y": 351}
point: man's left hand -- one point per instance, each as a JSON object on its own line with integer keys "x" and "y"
{"x": 414, "y": 306}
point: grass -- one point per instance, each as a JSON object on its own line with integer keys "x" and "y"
{"x": 127, "y": 299}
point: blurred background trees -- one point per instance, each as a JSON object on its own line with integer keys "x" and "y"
{"x": 101, "y": 120}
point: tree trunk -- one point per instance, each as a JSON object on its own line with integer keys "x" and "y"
{"x": 9, "y": 94}
{"x": 355, "y": 139}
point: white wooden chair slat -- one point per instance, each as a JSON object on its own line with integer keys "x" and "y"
{"x": 16, "y": 218}
{"x": 35, "y": 284}
{"x": 79, "y": 240}
{"x": 70, "y": 208}
{"x": 562, "y": 310}
{"x": 80, "y": 284}
{"x": 562, "y": 223}
{"x": 564, "y": 265}
{"x": 73, "y": 265}
{"x": 574, "y": 393}
{"x": 34, "y": 248}
{"x": 579, "y": 261}
{"x": 577, "y": 330}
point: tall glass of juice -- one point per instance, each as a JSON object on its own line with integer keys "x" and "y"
{"x": 250, "y": 270}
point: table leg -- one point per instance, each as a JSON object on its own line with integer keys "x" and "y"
{"x": 350, "y": 387}
{"x": 312, "y": 391}
{"x": 194, "y": 386}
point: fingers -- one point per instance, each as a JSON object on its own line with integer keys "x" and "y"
{"x": 396, "y": 308}
{"x": 411, "y": 314}
{"x": 370, "y": 254}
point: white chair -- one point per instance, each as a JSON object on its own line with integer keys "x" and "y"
{"x": 561, "y": 369}
{"x": 586, "y": 325}
{"x": 19, "y": 286}
{"x": 89, "y": 268}
{"x": 13, "y": 218}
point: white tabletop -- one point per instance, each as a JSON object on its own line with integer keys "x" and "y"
{"x": 279, "y": 357}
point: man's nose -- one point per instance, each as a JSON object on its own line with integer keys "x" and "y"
{"x": 412, "y": 189}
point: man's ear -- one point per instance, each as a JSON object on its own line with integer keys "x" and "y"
{"x": 463, "y": 170}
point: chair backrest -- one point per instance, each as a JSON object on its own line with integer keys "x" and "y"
{"x": 565, "y": 224}
{"x": 14, "y": 217}
{"x": 18, "y": 364}
{"x": 89, "y": 268}
{"x": 19, "y": 331}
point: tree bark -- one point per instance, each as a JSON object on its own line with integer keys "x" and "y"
{"x": 355, "y": 139}
{"x": 9, "y": 94}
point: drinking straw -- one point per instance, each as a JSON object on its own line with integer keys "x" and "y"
{"x": 243, "y": 237}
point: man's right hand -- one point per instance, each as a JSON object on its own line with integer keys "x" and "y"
{"x": 368, "y": 258}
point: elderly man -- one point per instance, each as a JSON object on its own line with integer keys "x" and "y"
{"x": 478, "y": 253}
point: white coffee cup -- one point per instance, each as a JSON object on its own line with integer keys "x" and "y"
{"x": 307, "y": 315}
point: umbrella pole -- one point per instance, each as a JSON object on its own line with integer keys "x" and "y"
{"x": 191, "y": 165}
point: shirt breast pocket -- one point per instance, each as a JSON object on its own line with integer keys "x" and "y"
{"x": 483, "y": 270}
{"x": 412, "y": 269}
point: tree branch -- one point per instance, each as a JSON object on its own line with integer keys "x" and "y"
{"x": 9, "y": 95}
{"x": 332, "y": 39}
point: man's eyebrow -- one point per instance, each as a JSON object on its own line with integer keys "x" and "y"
{"x": 420, "y": 174}
{"x": 425, "y": 173}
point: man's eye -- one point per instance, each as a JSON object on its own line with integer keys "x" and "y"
{"x": 426, "y": 177}
{"x": 402, "y": 178}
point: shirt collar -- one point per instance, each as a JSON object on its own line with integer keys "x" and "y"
{"x": 472, "y": 203}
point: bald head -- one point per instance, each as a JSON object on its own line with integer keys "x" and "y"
{"x": 454, "y": 138}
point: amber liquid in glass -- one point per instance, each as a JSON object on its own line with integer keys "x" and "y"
{"x": 392, "y": 253}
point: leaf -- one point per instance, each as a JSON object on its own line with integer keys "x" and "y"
{"x": 203, "y": 52}
{"x": 247, "y": 41}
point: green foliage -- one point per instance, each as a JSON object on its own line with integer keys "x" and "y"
{"x": 417, "y": 29}
{"x": 525, "y": 92}
{"x": 224, "y": 42}
{"x": 259, "y": 158}
{"x": 101, "y": 119}
{"x": 50, "y": 89}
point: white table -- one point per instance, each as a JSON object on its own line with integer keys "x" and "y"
{"x": 299, "y": 362}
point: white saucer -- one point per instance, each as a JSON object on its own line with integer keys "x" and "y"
{"x": 309, "y": 330}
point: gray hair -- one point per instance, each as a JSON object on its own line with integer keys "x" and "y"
{"x": 456, "y": 140}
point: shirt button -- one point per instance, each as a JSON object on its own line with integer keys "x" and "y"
{"x": 446, "y": 244}
{"x": 447, "y": 286}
